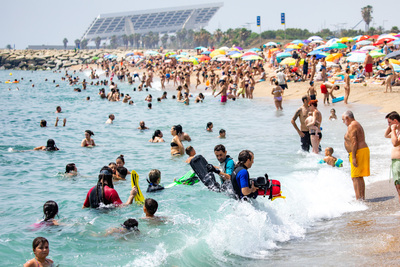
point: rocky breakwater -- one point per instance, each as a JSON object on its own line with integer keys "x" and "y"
{"x": 46, "y": 59}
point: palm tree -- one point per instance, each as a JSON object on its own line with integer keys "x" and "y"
{"x": 173, "y": 40}
{"x": 244, "y": 34}
{"x": 189, "y": 38}
{"x": 131, "y": 39}
{"x": 97, "y": 41}
{"x": 218, "y": 35}
{"x": 114, "y": 42}
{"x": 77, "y": 43}
{"x": 125, "y": 40}
{"x": 205, "y": 37}
{"x": 65, "y": 42}
{"x": 164, "y": 40}
{"x": 180, "y": 35}
{"x": 155, "y": 40}
{"x": 137, "y": 37}
{"x": 84, "y": 43}
{"x": 366, "y": 15}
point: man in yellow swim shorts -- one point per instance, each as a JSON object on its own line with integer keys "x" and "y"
{"x": 354, "y": 142}
{"x": 393, "y": 132}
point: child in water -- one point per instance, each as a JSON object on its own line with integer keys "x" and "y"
{"x": 130, "y": 225}
{"x": 154, "y": 181}
{"x": 41, "y": 250}
{"x": 50, "y": 210}
{"x": 333, "y": 115}
{"x": 150, "y": 208}
{"x": 329, "y": 159}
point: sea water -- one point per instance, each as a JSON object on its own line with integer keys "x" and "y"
{"x": 201, "y": 228}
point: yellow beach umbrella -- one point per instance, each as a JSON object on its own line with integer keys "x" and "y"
{"x": 333, "y": 57}
{"x": 238, "y": 55}
{"x": 394, "y": 61}
{"x": 345, "y": 40}
{"x": 217, "y": 52}
{"x": 288, "y": 61}
{"x": 293, "y": 46}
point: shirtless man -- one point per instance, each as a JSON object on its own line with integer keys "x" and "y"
{"x": 354, "y": 142}
{"x": 393, "y": 132}
{"x": 302, "y": 113}
{"x": 346, "y": 86}
{"x": 368, "y": 65}
{"x": 222, "y": 92}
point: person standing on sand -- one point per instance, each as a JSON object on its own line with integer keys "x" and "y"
{"x": 368, "y": 65}
{"x": 393, "y": 132}
{"x": 346, "y": 86}
{"x": 302, "y": 113}
{"x": 354, "y": 142}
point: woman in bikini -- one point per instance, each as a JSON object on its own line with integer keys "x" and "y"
{"x": 389, "y": 71}
{"x": 177, "y": 148}
{"x": 88, "y": 141}
{"x": 277, "y": 92}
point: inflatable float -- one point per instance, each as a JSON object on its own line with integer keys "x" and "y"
{"x": 139, "y": 198}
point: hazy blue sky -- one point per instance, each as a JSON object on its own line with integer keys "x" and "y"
{"x": 40, "y": 22}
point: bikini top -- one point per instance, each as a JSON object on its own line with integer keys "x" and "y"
{"x": 173, "y": 144}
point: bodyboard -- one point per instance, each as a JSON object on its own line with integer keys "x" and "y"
{"x": 139, "y": 198}
{"x": 199, "y": 166}
{"x": 189, "y": 178}
{"x": 338, "y": 99}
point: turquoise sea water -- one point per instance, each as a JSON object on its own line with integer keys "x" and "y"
{"x": 202, "y": 228}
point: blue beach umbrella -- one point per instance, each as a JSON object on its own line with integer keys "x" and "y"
{"x": 283, "y": 55}
{"x": 296, "y": 41}
{"x": 206, "y": 53}
{"x": 315, "y": 52}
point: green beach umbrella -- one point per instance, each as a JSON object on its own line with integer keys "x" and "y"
{"x": 338, "y": 46}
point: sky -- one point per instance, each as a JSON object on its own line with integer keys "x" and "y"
{"x": 27, "y": 22}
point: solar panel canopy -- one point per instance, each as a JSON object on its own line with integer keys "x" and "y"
{"x": 165, "y": 20}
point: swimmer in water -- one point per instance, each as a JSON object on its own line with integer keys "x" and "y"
{"x": 130, "y": 225}
{"x": 71, "y": 169}
{"x": 88, "y": 141}
{"x": 50, "y": 210}
{"x": 111, "y": 118}
{"x": 142, "y": 126}
{"x": 333, "y": 115}
{"x": 41, "y": 250}
{"x": 191, "y": 153}
{"x": 58, "y": 109}
{"x": 177, "y": 148}
{"x": 222, "y": 134}
{"x": 209, "y": 126}
{"x": 51, "y": 146}
{"x": 157, "y": 137}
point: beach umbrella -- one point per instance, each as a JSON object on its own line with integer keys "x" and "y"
{"x": 288, "y": 61}
{"x": 200, "y": 48}
{"x": 283, "y": 55}
{"x": 315, "y": 52}
{"x": 313, "y": 38}
{"x": 217, "y": 56}
{"x": 225, "y": 48}
{"x": 368, "y": 48}
{"x": 230, "y": 53}
{"x": 238, "y": 48}
{"x": 383, "y": 40}
{"x": 357, "y": 57}
{"x": 365, "y": 42}
{"x": 204, "y": 58}
{"x": 95, "y": 58}
{"x": 397, "y": 35}
{"x": 270, "y": 44}
{"x": 223, "y": 59}
{"x": 129, "y": 54}
{"x": 151, "y": 53}
{"x": 345, "y": 40}
{"x": 394, "y": 61}
{"x": 252, "y": 57}
{"x": 383, "y": 36}
{"x": 396, "y": 42}
{"x": 238, "y": 55}
{"x": 376, "y": 54}
{"x": 395, "y": 54}
{"x": 322, "y": 55}
{"x": 338, "y": 46}
{"x": 333, "y": 57}
{"x": 206, "y": 53}
{"x": 217, "y": 52}
{"x": 249, "y": 54}
{"x": 255, "y": 49}
{"x": 362, "y": 38}
{"x": 321, "y": 47}
{"x": 317, "y": 42}
{"x": 296, "y": 41}
{"x": 293, "y": 46}
{"x": 306, "y": 41}
{"x": 332, "y": 41}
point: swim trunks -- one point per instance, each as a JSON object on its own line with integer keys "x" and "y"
{"x": 323, "y": 89}
{"x": 396, "y": 171}
{"x": 223, "y": 98}
{"x": 313, "y": 97}
{"x": 368, "y": 68}
{"x": 362, "y": 157}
